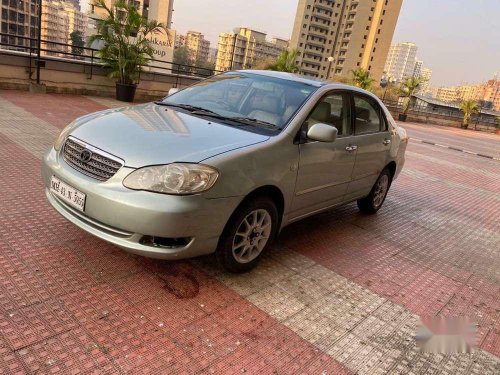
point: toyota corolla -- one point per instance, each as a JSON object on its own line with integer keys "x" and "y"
{"x": 222, "y": 166}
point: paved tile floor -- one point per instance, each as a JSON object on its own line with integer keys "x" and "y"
{"x": 338, "y": 293}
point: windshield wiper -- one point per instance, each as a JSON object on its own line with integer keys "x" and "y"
{"x": 188, "y": 107}
{"x": 194, "y": 110}
{"x": 254, "y": 121}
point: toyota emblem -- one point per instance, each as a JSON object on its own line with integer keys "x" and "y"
{"x": 86, "y": 156}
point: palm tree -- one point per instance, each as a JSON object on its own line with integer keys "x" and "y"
{"x": 361, "y": 78}
{"x": 407, "y": 89}
{"x": 124, "y": 34}
{"x": 286, "y": 62}
{"x": 468, "y": 107}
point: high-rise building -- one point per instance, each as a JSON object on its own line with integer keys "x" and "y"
{"x": 242, "y": 48}
{"x": 198, "y": 46}
{"x": 334, "y": 37}
{"x": 426, "y": 75}
{"x": 401, "y": 61}
{"x": 158, "y": 10}
{"x": 180, "y": 40}
{"x": 447, "y": 94}
{"x": 417, "y": 69}
{"x": 19, "y": 18}
{"x": 490, "y": 92}
{"x": 59, "y": 20}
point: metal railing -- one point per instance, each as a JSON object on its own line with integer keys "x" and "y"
{"x": 87, "y": 56}
{"x": 479, "y": 118}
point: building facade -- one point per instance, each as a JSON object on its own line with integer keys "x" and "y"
{"x": 334, "y": 37}
{"x": 417, "y": 70}
{"x": 198, "y": 46}
{"x": 490, "y": 92}
{"x": 401, "y": 61}
{"x": 426, "y": 75}
{"x": 159, "y": 10}
{"x": 487, "y": 93}
{"x": 19, "y": 19}
{"x": 242, "y": 48}
{"x": 59, "y": 20}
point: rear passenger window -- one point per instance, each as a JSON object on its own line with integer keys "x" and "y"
{"x": 367, "y": 115}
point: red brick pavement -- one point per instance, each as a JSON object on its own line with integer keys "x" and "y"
{"x": 58, "y": 110}
{"x": 69, "y": 301}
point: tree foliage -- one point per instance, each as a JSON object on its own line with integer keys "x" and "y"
{"x": 125, "y": 33}
{"x": 182, "y": 56}
{"x": 407, "y": 89}
{"x": 468, "y": 107}
{"x": 361, "y": 78}
{"x": 286, "y": 62}
{"x": 77, "y": 42}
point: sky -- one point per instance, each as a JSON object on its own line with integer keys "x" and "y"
{"x": 458, "y": 39}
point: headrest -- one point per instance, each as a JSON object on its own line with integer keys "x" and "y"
{"x": 322, "y": 112}
{"x": 267, "y": 104}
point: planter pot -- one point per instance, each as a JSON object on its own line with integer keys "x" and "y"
{"x": 124, "y": 92}
{"x": 497, "y": 132}
{"x": 402, "y": 117}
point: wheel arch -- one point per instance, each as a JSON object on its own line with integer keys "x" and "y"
{"x": 392, "y": 168}
{"x": 270, "y": 191}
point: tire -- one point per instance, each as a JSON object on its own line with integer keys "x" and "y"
{"x": 374, "y": 201}
{"x": 244, "y": 241}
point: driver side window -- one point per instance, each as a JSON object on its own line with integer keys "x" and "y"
{"x": 332, "y": 110}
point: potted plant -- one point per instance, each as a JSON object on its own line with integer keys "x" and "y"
{"x": 407, "y": 90}
{"x": 124, "y": 35}
{"x": 468, "y": 107}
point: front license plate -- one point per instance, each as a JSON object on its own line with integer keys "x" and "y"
{"x": 67, "y": 193}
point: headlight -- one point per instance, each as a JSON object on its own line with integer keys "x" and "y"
{"x": 176, "y": 178}
{"x": 62, "y": 137}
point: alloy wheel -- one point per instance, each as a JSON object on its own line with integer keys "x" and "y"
{"x": 252, "y": 236}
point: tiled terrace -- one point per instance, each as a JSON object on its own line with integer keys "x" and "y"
{"x": 339, "y": 292}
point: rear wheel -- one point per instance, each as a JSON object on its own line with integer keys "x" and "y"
{"x": 374, "y": 201}
{"x": 247, "y": 235}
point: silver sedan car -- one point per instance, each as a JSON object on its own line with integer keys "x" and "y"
{"x": 222, "y": 166}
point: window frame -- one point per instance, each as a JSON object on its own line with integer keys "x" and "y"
{"x": 301, "y": 137}
{"x": 384, "y": 125}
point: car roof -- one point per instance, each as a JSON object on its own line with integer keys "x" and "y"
{"x": 303, "y": 79}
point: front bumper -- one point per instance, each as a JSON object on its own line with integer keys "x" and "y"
{"x": 126, "y": 217}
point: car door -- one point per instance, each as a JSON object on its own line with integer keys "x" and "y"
{"x": 372, "y": 138}
{"x": 325, "y": 168}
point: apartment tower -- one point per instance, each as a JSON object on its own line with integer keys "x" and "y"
{"x": 334, "y": 37}
{"x": 402, "y": 61}
{"x": 244, "y": 47}
{"x": 198, "y": 46}
{"x": 19, "y": 19}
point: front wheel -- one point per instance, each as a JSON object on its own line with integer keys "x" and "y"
{"x": 374, "y": 201}
{"x": 248, "y": 233}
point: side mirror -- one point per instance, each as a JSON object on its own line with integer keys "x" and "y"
{"x": 322, "y": 133}
{"x": 172, "y": 91}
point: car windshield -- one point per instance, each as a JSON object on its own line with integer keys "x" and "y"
{"x": 253, "y": 99}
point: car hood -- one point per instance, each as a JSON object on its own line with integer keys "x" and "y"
{"x": 150, "y": 134}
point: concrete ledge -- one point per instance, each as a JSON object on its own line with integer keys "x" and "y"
{"x": 80, "y": 78}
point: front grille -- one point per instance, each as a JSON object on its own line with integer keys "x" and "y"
{"x": 100, "y": 165}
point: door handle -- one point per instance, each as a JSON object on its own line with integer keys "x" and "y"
{"x": 351, "y": 148}
{"x": 386, "y": 142}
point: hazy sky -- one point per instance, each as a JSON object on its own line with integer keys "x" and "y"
{"x": 458, "y": 39}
